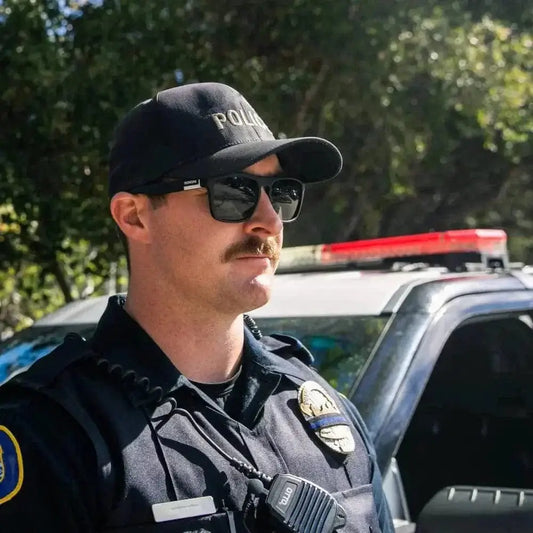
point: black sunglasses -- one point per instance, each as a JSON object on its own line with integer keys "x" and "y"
{"x": 234, "y": 197}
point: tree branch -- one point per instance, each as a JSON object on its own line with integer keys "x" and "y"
{"x": 309, "y": 96}
{"x": 55, "y": 268}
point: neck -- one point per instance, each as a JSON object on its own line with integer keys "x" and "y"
{"x": 204, "y": 345}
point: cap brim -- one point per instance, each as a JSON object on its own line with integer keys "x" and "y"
{"x": 312, "y": 159}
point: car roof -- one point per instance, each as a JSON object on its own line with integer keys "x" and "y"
{"x": 337, "y": 293}
{"x": 344, "y": 293}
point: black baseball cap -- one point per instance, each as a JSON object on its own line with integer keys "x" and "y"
{"x": 204, "y": 130}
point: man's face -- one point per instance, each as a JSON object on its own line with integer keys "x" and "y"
{"x": 229, "y": 266}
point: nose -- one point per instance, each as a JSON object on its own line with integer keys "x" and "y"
{"x": 265, "y": 221}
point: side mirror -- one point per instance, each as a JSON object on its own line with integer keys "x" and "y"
{"x": 477, "y": 510}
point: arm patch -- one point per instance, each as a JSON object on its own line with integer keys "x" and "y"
{"x": 11, "y": 466}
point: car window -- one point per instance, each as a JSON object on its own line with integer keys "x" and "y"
{"x": 340, "y": 345}
{"x": 474, "y": 422}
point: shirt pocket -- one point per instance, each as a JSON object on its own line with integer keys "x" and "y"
{"x": 360, "y": 508}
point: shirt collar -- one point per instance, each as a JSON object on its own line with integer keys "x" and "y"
{"x": 128, "y": 352}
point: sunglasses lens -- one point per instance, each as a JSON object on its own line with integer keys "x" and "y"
{"x": 233, "y": 199}
{"x": 286, "y": 197}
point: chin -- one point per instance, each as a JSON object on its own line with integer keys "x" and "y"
{"x": 257, "y": 294}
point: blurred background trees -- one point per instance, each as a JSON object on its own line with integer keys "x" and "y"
{"x": 430, "y": 103}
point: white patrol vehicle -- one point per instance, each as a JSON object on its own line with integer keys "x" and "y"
{"x": 431, "y": 337}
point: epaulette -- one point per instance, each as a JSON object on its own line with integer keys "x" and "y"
{"x": 73, "y": 348}
{"x": 286, "y": 346}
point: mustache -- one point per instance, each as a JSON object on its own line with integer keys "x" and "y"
{"x": 254, "y": 246}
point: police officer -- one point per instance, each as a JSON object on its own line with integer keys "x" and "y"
{"x": 176, "y": 415}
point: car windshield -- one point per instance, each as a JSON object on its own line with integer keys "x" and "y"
{"x": 340, "y": 345}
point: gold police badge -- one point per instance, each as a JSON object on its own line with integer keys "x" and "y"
{"x": 326, "y": 420}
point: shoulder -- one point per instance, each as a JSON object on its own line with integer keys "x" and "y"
{"x": 50, "y": 403}
{"x": 39, "y": 391}
{"x": 66, "y": 377}
{"x": 47, "y": 410}
{"x": 44, "y": 372}
{"x": 30, "y": 402}
{"x": 287, "y": 347}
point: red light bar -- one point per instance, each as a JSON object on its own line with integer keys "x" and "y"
{"x": 445, "y": 242}
{"x": 482, "y": 241}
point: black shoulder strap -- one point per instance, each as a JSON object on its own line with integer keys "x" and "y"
{"x": 73, "y": 348}
{"x": 286, "y": 346}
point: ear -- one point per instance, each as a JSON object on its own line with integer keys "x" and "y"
{"x": 130, "y": 213}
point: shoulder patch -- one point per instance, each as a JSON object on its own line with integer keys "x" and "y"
{"x": 11, "y": 467}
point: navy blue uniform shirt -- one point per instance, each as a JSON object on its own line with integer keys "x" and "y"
{"x": 95, "y": 434}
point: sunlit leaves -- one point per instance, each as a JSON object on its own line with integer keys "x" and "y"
{"x": 430, "y": 103}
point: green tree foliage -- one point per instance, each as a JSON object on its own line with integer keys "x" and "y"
{"x": 430, "y": 103}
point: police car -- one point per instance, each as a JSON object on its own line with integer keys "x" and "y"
{"x": 431, "y": 336}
